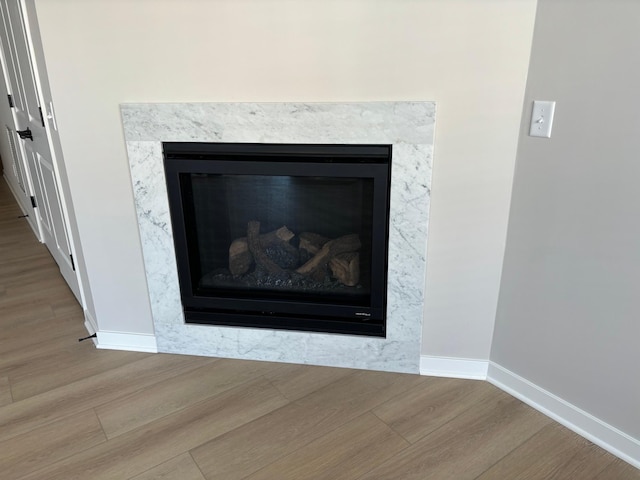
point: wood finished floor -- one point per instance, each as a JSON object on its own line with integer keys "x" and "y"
{"x": 70, "y": 411}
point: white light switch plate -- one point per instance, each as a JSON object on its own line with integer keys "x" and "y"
{"x": 542, "y": 118}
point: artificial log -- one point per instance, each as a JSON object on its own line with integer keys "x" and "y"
{"x": 346, "y": 268}
{"x": 257, "y": 250}
{"x": 240, "y": 257}
{"x": 311, "y": 242}
{"x": 347, "y": 243}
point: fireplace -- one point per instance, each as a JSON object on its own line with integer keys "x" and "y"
{"x": 405, "y": 128}
{"x": 285, "y": 236}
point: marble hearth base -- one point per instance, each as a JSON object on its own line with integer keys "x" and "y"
{"x": 408, "y": 126}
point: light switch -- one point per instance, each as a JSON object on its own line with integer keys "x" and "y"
{"x": 542, "y": 118}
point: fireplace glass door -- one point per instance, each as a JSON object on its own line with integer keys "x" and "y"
{"x": 281, "y": 236}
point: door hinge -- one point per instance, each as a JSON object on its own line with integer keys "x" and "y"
{"x": 26, "y": 133}
{"x": 41, "y": 116}
{"x": 33, "y": 201}
{"x": 10, "y": 98}
{"x": 73, "y": 264}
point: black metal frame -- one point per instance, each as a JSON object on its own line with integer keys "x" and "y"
{"x": 265, "y": 310}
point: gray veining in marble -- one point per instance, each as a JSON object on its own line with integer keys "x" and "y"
{"x": 408, "y": 126}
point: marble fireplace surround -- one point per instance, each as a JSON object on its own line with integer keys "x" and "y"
{"x": 408, "y": 126}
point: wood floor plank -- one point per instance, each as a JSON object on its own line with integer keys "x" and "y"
{"x": 24, "y": 310}
{"x": 18, "y": 270}
{"x": 19, "y": 243}
{"x": 345, "y": 453}
{"x": 586, "y": 464}
{"x": 77, "y": 361}
{"x": 19, "y": 336}
{"x": 257, "y": 444}
{"x": 33, "y": 278}
{"x": 5, "y": 391}
{"x": 181, "y": 467}
{"x": 37, "y": 449}
{"x": 18, "y": 341}
{"x": 67, "y": 308}
{"x": 137, "y": 451}
{"x": 28, "y": 267}
{"x": 549, "y": 454}
{"x": 619, "y": 470}
{"x": 425, "y": 408}
{"x": 362, "y": 390}
{"x": 297, "y": 381}
{"x": 26, "y": 415}
{"x": 27, "y": 350}
{"x": 466, "y": 446}
{"x": 144, "y": 406}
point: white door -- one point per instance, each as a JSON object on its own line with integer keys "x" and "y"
{"x": 33, "y": 142}
{"x": 15, "y": 167}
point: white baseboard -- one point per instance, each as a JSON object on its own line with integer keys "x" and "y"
{"x": 133, "y": 342}
{"x": 453, "y": 367}
{"x": 593, "y": 429}
{"x": 90, "y": 324}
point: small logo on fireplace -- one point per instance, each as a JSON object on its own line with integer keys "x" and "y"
{"x": 363, "y": 314}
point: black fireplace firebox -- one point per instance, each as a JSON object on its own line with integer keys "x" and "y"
{"x": 284, "y": 236}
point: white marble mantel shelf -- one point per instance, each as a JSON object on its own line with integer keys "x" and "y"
{"x": 408, "y": 126}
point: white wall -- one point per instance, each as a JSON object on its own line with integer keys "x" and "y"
{"x": 470, "y": 56}
{"x": 568, "y": 318}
